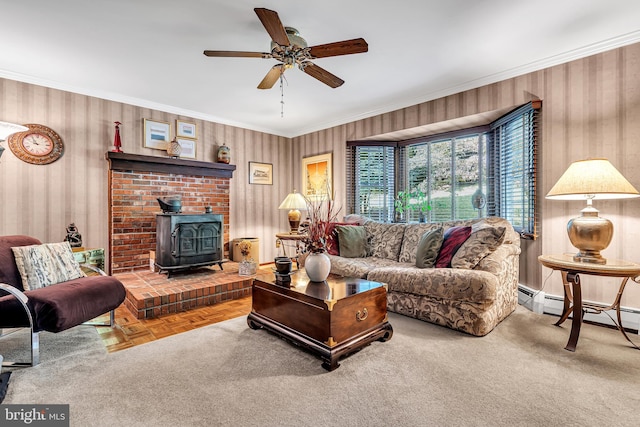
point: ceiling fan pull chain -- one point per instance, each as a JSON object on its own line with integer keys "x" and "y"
{"x": 281, "y": 95}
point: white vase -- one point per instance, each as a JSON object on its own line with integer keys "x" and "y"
{"x": 317, "y": 266}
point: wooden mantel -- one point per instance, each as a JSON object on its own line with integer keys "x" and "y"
{"x": 139, "y": 163}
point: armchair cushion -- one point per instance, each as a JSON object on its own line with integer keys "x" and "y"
{"x": 61, "y": 306}
{"x": 47, "y": 264}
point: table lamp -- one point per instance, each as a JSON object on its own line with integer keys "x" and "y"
{"x": 7, "y": 129}
{"x": 587, "y": 180}
{"x": 294, "y": 202}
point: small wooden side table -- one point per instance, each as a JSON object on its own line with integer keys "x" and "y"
{"x": 573, "y": 303}
{"x": 281, "y": 238}
{"x": 93, "y": 256}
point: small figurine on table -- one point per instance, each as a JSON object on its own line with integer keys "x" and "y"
{"x": 73, "y": 236}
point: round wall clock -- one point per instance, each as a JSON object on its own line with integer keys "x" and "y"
{"x": 40, "y": 145}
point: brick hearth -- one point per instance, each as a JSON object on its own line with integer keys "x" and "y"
{"x": 151, "y": 294}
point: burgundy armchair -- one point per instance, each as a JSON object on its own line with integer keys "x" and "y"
{"x": 53, "y": 308}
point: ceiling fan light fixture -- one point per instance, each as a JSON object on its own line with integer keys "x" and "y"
{"x": 295, "y": 40}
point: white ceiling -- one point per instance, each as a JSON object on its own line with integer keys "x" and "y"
{"x": 149, "y": 52}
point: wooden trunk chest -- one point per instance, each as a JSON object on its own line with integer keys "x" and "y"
{"x": 331, "y": 319}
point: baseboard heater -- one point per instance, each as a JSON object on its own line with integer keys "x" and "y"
{"x": 540, "y": 302}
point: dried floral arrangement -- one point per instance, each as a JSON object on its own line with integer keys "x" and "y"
{"x": 321, "y": 213}
{"x": 245, "y": 247}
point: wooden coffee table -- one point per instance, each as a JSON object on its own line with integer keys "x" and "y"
{"x": 331, "y": 319}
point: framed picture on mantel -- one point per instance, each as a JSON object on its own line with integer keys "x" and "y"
{"x": 185, "y": 129}
{"x": 156, "y": 134}
{"x": 188, "y": 148}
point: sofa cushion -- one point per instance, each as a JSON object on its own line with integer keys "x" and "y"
{"x": 428, "y": 248}
{"x": 357, "y": 267}
{"x": 384, "y": 240}
{"x": 9, "y": 273}
{"x": 47, "y": 264}
{"x": 480, "y": 243}
{"x": 412, "y": 235}
{"x": 352, "y": 240}
{"x": 469, "y": 286}
{"x": 454, "y": 237}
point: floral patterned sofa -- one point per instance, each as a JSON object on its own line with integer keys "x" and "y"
{"x": 473, "y": 298}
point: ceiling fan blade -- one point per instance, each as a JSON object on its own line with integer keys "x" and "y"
{"x": 323, "y": 75}
{"x": 235, "y": 54}
{"x": 272, "y": 77}
{"x": 345, "y": 47}
{"x": 273, "y": 25}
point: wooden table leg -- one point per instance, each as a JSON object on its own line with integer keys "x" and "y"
{"x": 576, "y": 322}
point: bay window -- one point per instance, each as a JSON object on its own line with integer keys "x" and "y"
{"x": 464, "y": 174}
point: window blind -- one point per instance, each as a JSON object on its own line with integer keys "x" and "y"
{"x": 370, "y": 181}
{"x": 512, "y": 168}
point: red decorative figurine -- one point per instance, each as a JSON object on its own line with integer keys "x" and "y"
{"x": 116, "y": 142}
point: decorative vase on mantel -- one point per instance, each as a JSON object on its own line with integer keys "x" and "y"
{"x": 224, "y": 154}
{"x": 317, "y": 266}
{"x": 174, "y": 148}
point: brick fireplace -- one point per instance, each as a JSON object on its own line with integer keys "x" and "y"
{"x": 135, "y": 183}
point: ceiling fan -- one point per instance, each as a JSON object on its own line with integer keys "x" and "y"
{"x": 288, "y": 47}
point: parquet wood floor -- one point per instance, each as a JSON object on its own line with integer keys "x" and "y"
{"x": 129, "y": 331}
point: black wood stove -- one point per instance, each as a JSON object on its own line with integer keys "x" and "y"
{"x": 186, "y": 241}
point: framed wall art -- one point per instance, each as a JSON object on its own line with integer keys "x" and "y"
{"x": 156, "y": 134}
{"x": 317, "y": 179}
{"x": 260, "y": 173}
{"x": 185, "y": 130}
{"x": 188, "y": 148}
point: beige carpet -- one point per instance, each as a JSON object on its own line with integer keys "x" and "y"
{"x": 229, "y": 375}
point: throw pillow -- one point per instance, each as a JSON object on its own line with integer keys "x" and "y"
{"x": 47, "y": 264}
{"x": 479, "y": 244}
{"x": 454, "y": 237}
{"x": 332, "y": 239}
{"x": 428, "y": 248}
{"x": 352, "y": 240}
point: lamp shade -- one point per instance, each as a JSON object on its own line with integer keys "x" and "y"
{"x": 592, "y": 179}
{"x": 294, "y": 200}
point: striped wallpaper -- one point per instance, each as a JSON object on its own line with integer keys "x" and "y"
{"x": 591, "y": 108}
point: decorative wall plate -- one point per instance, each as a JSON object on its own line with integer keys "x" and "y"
{"x": 40, "y": 145}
